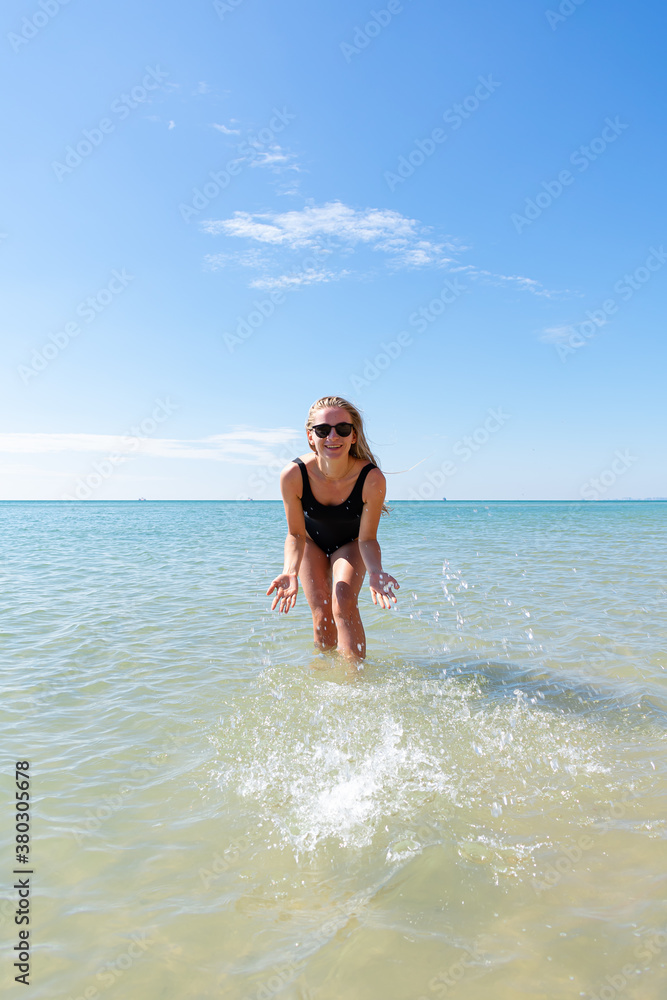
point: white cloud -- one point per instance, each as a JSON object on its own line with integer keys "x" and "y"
{"x": 291, "y": 281}
{"x": 259, "y": 154}
{"x": 306, "y": 228}
{"x": 557, "y": 334}
{"x": 171, "y": 124}
{"x": 523, "y": 284}
{"x": 248, "y": 258}
{"x": 225, "y": 129}
{"x": 32, "y": 472}
{"x": 330, "y": 229}
{"x": 242, "y": 446}
{"x": 337, "y": 231}
{"x": 274, "y": 157}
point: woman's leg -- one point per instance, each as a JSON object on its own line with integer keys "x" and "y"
{"x": 348, "y": 575}
{"x": 315, "y": 577}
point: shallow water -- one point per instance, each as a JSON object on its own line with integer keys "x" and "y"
{"x": 220, "y": 812}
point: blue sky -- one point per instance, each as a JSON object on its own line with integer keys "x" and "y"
{"x": 453, "y": 214}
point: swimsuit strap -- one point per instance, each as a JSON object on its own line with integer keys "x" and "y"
{"x": 307, "y": 492}
{"x": 359, "y": 485}
{"x": 356, "y": 490}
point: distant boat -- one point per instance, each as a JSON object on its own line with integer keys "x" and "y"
{"x": 444, "y": 498}
{"x": 142, "y": 498}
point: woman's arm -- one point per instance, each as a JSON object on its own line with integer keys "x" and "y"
{"x": 287, "y": 584}
{"x": 380, "y": 582}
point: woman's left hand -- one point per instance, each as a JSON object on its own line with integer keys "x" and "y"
{"x": 380, "y": 586}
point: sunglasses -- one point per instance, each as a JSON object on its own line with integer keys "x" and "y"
{"x": 343, "y": 430}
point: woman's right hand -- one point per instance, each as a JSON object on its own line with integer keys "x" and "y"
{"x": 287, "y": 587}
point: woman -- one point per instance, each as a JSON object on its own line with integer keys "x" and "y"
{"x": 333, "y": 501}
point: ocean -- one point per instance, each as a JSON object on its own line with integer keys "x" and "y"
{"x": 218, "y": 811}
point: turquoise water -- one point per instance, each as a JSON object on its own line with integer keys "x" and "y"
{"x": 220, "y": 812}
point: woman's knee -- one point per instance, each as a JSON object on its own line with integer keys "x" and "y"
{"x": 344, "y": 600}
{"x": 324, "y": 622}
{"x": 321, "y": 608}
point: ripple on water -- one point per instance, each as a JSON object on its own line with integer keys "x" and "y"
{"x": 198, "y": 780}
{"x": 325, "y": 760}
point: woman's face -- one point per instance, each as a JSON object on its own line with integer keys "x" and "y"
{"x": 334, "y": 445}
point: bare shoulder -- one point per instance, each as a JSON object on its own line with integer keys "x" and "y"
{"x": 290, "y": 478}
{"x": 376, "y": 484}
{"x": 376, "y": 476}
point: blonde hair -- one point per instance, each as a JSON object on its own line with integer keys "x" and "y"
{"x": 360, "y": 448}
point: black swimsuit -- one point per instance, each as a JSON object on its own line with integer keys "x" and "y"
{"x": 333, "y": 525}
